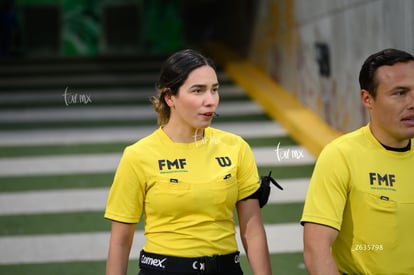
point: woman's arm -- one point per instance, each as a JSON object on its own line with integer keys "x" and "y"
{"x": 318, "y": 240}
{"x": 253, "y": 236}
{"x": 122, "y": 235}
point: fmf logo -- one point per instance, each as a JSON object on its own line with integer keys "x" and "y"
{"x": 377, "y": 179}
{"x": 175, "y": 164}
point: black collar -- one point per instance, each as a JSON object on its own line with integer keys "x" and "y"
{"x": 403, "y": 149}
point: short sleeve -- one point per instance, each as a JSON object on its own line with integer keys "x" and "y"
{"x": 126, "y": 196}
{"x": 328, "y": 189}
{"x": 247, "y": 174}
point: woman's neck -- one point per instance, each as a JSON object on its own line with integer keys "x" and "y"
{"x": 183, "y": 134}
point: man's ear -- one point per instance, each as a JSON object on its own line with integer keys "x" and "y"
{"x": 366, "y": 98}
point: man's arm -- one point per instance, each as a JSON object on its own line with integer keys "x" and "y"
{"x": 318, "y": 240}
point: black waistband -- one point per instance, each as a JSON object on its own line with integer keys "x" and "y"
{"x": 202, "y": 265}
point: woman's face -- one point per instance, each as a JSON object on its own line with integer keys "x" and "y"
{"x": 197, "y": 99}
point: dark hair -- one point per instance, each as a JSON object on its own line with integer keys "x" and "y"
{"x": 367, "y": 75}
{"x": 174, "y": 73}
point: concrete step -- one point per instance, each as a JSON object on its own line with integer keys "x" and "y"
{"x": 107, "y": 163}
{"x": 124, "y": 134}
{"x": 281, "y": 238}
{"x": 111, "y": 113}
{"x": 94, "y": 199}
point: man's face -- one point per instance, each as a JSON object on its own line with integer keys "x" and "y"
{"x": 392, "y": 110}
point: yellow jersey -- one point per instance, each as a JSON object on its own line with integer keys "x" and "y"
{"x": 186, "y": 192}
{"x": 367, "y": 193}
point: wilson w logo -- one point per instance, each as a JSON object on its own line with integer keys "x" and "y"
{"x": 223, "y": 161}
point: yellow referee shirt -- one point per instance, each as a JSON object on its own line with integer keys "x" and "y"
{"x": 186, "y": 192}
{"x": 367, "y": 193}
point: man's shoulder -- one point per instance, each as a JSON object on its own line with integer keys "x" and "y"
{"x": 356, "y": 136}
{"x": 349, "y": 143}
